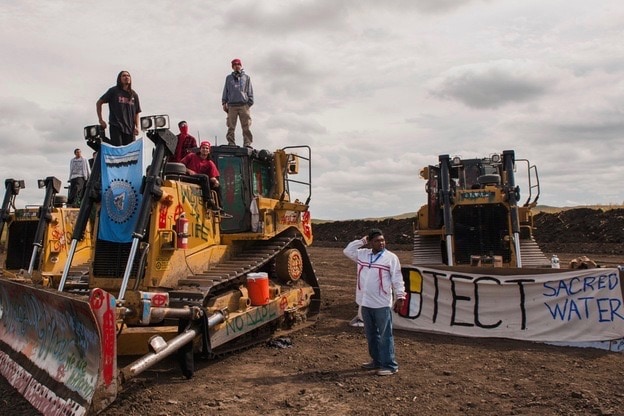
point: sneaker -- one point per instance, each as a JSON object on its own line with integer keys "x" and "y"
{"x": 370, "y": 366}
{"x": 386, "y": 372}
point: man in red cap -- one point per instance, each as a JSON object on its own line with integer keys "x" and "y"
{"x": 237, "y": 99}
{"x": 200, "y": 164}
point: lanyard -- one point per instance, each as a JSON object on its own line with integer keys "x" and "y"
{"x": 376, "y": 258}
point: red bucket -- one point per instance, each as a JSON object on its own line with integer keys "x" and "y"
{"x": 258, "y": 288}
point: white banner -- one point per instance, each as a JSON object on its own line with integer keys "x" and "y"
{"x": 549, "y": 305}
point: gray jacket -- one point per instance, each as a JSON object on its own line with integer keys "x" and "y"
{"x": 237, "y": 89}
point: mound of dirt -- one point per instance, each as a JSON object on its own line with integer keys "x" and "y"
{"x": 338, "y": 233}
{"x": 581, "y": 230}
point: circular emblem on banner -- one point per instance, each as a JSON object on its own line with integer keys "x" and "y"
{"x": 120, "y": 200}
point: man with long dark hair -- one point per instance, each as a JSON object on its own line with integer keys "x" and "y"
{"x": 124, "y": 109}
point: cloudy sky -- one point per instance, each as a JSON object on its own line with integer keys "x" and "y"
{"x": 377, "y": 89}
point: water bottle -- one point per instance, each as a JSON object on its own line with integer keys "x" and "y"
{"x": 554, "y": 262}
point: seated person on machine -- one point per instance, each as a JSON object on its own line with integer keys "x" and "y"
{"x": 200, "y": 164}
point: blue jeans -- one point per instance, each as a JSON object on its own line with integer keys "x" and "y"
{"x": 378, "y": 328}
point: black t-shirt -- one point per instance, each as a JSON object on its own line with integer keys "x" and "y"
{"x": 123, "y": 106}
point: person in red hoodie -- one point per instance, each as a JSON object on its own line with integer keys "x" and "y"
{"x": 186, "y": 143}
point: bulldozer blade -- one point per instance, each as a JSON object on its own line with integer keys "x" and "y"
{"x": 59, "y": 350}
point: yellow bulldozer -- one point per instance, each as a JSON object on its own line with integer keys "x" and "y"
{"x": 474, "y": 216}
{"x": 37, "y": 238}
{"x": 200, "y": 270}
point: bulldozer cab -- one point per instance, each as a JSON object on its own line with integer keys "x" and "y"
{"x": 244, "y": 175}
{"x": 475, "y": 173}
{"x": 250, "y": 179}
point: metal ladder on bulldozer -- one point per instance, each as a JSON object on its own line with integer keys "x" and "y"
{"x": 532, "y": 255}
{"x": 426, "y": 249}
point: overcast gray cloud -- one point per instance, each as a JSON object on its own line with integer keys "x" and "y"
{"x": 282, "y": 16}
{"x": 377, "y": 89}
{"x": 493, "y": 84}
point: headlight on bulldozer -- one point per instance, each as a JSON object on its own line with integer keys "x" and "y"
{"x": 155, "y": 122}
{"x": 93, "y": 132}
{"x": 16, "y": 184}
{"x": 293, "y": 164}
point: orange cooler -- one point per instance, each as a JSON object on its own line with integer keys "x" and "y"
{"x": 258, "y": 288}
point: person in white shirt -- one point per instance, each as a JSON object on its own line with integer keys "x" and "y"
{"x": 379, "y": 284}
{"x": 78, "y": 175}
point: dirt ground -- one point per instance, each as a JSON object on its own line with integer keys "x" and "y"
{"x": 319, "y": 373}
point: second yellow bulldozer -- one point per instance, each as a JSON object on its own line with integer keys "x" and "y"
{"x": 474, "y": 214}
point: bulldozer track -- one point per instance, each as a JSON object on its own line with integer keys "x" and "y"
{"x": 194, "y": 289}
{"x": 229, "y": 274}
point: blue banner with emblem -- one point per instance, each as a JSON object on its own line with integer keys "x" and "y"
{"x": 122, "y": 174}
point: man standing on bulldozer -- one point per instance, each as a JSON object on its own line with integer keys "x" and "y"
{"x": 124, "y": 109}
{"x": 237, "y": 99}
{"x": 78, "y": 175}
